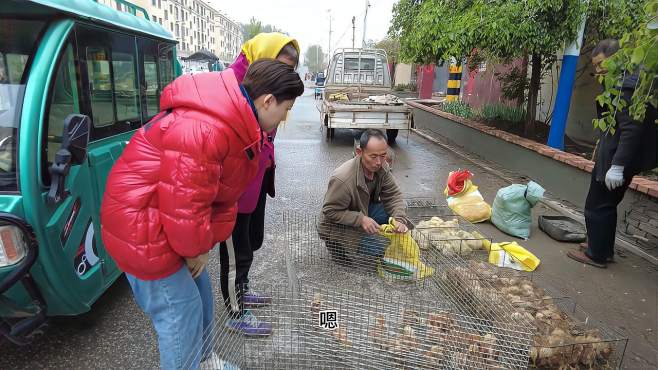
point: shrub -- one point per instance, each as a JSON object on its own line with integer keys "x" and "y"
{"x": 458, "y": 108}
{"x": 405, "y": 87}
{"x": 500, "y": 112}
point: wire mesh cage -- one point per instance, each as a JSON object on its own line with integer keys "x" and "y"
{"x": 319, "y": 327}
{"x": 451, "y": 234}
{"x": 564, "y": 335}
{"x": 433, "y": 274}
{"x": 568, "y": 337}
{"x": 314, "y": 243}
{"x": 427, "y": 205}
{"x": 220, "y": 349}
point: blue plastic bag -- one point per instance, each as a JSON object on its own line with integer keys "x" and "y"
{"x": 512, "y": 208}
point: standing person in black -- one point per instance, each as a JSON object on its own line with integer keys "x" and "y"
{"x": 618, "y": 156}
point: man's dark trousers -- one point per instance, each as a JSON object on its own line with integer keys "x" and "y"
{"x": 601, "y": 218}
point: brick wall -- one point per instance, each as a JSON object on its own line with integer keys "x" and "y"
{"x": 641, "y": 223}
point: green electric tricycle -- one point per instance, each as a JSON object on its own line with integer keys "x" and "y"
{"x": 77, "y": 78}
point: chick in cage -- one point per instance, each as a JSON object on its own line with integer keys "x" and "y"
{"x": 410, "y": 317}
{"x": 438, "y": 326}
{"x": 559, "y": 341}
{"x": 340, "y": 334}
{"x": 447, "y": 237}
{"x": 379, "y": 333}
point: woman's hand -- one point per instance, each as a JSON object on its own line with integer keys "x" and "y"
{"x": 197, "y": 264}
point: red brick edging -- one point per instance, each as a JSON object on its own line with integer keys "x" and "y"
{"x": 640, "y": 184}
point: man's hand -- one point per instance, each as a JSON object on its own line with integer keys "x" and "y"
{"x": 369, "y": 225}
{"x": 400, "y": 227}
{"x": 614, "y": 178}
{"x": 197, "y": 264}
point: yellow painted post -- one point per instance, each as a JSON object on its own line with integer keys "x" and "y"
{"x": 454, "y": 82}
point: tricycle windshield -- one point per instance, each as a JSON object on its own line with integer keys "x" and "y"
{"x": 18, "y": 43}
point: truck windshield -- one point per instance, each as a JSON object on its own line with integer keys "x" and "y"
{"x": 363, "y": 68}
{"x": 18, "y": 42}
{"x": 367, "y": 64}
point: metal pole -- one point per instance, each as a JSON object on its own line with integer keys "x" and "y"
{"x": 353, "y": 30}
{"x": 365, "y": 22}
{"x": 329, "y": 48}
{"x": 565, "y": 88}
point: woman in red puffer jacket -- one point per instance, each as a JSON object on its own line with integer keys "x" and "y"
{"x": 172, "y": 195}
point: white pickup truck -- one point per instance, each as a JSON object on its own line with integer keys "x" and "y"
{"x": 357, "y": 94}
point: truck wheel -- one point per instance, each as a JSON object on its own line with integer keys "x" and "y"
{"x": 330, "y": 133}
{"x": 392, "y": 135}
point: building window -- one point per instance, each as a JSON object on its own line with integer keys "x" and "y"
{"x": 166, "y": 15}
{"x": 159, "y": 4}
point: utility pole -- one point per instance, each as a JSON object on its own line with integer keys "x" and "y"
{"x": 353, "y": 30}
{"x": 565, "y": 87}
{"x": 365, "y": 22}
{"x": 329, "y": 48}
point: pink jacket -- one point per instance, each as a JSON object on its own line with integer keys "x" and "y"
{"x": 249, "y": 199}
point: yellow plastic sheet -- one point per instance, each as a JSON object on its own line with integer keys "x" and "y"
{"x": 512, "y": 255}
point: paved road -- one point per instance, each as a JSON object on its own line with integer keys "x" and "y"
{"x": 116, "y": 335}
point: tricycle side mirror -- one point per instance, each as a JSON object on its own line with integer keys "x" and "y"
{"x": 75, "y": 140}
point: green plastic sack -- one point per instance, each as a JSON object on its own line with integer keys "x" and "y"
{"x": 512, "y": 208}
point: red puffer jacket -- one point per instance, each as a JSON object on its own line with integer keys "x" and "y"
{"x": 173, "y": 192}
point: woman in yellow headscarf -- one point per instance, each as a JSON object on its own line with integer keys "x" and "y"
{"x": 271, "y": 45}
{"x": 248, "y": 232}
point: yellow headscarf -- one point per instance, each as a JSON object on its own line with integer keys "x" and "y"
{"x": 267, "y": 45}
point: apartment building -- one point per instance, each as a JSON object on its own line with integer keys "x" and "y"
{"x": 196, "y": 24}
{"x": 228, "y": 37}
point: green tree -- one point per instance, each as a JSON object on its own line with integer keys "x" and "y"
{"x": 638, "y": 53}
{"x": 392, "y": 49}
{"x": 254, "y": 27}
{"x": 314, "y": 58}
{"x": 251, "y": 29}
{"x": 610, "y": 19}
{"x": 433, "y": 31}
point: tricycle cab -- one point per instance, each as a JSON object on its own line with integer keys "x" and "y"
{"x": 77, "y": 78}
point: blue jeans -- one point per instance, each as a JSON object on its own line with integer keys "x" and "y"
{"x": 181, "y": 309}
{"x": 374, "y": 245}
{"x": 377, "y": 212}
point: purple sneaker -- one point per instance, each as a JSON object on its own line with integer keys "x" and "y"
{"x": 252, "y": 300}
{"x": 249, "y": 325}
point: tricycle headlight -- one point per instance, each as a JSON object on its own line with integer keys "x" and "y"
{"x": 13, "y": 245}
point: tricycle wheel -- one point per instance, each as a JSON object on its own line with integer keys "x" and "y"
{"x": 392, "y": 135}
